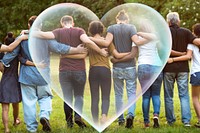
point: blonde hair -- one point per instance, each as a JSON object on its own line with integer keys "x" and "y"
{"x": 146, "y": 26}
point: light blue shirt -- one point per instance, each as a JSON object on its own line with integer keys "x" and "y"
{"x": 29, "y": 75}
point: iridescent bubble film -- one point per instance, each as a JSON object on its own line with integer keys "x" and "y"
{"x": 47, "y": 60}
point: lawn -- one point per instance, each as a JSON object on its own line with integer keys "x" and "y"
{"x": 58, "y": 122}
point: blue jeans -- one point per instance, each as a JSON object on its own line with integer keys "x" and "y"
{"x": 182, "y": 82}
{"x": 145, "y": 74}
{"x": 72, "y": 84}
{"x": 129, "y": 76}
{"x": 30, "y": 96}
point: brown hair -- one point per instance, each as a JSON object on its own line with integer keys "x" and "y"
{"x": 122, "y": 15}
{"x": 66, "y": 19}
{"x": 31, "y": 20}
{"x": 196, "y": 29}
{"x": 95, "y": 27}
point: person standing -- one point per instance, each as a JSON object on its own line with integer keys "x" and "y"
{"x": 34, "y": 87}
{"x": 193, "y": 52}
{"x": 72, "y": 75}
{"x": 122, "y": 35}
{"x": 178, "y": 71}
{"x": 100, "y": 74}
{"x": 149, "y": 65}
{"x": 10, "y": 91}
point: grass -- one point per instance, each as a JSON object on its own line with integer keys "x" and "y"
{"x": 59, "y": 125}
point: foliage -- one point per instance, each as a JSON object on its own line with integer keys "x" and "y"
{"x": 14, "y": 14}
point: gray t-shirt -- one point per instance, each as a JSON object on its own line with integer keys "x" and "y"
{"x": 122, "y": 34}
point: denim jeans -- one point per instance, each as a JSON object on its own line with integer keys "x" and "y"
{"x": 129, "y": 76}
{"x": 145, "y": 73}
{"x": 182, "y": 82}
{"x": 30, "y": 96}
{"x": 72, "y": 84}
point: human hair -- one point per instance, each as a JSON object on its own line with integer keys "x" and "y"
{"x": 173, "y": 18}
{"x": 146, "y": 26}
{"x": 122, "y": 16}
{"x": 66, "y": 20}
{"x": 95, "y": 27}
{"x": 196, "y": 29}
{"x": 31, "y": 20}
{"x": 9, "y": 38}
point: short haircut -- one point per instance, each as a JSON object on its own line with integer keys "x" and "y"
{"x": 66, "y": 19}
{"x": 122, "y": 16}
{"x": 173, "y": 17}
{"x": 196, "y": 29}
{"x": 31, "y": 20}
{"x": 95, "y": 27}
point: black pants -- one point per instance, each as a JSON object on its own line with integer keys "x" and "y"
{"x": 99, "y": 77}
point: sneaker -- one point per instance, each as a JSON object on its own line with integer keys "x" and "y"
{"x": 121, "y": 123}
{"x": 146, "y": 125}
{"x": 197, "y": 124}
{"x": 129, "y": 122}
{"x": 80, "y": 123}
{"x": 46, "y": 125}
{"x": 155, "y": 121}
{"x": 187, "y": 125}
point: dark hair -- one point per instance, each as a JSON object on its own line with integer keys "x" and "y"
{"x": 9, "y": 38}
{"x": 31, "y": 20}
{"x": 95, "y": 27}
{"x": 196, "y": 29}
{"x": 122, "y": 15}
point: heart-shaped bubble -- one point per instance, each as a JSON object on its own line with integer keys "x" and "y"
{"x": 139, "y": 15}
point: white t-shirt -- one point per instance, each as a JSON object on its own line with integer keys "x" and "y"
{"x": 195, "y": 58}
{"x": 148, "y": 54}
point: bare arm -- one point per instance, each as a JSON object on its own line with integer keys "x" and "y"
{"x": 118, "y": 55}
{"x": 196, "y": 41}
{"x": 177, "y": 53}
{"x": 74, "y": 56}
{"x": 44, "y": 35}
{"x": 84, "y": 38}
{"x": 181, "y": 58}
{"x": 148, "y": 36}
{"x": 80, "y": 49}
{"x": 139, "y": 41}
{"x": 13, "y": 45}
{"x": 103, "y": 42}
{"x": 128, "y": 57}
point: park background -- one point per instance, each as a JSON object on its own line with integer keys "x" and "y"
{"x": 15, "y": 13}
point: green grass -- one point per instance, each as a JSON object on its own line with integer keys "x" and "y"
{"x": 59, "y": 125}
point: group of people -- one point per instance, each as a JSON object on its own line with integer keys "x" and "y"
{"x": 124, "y": 43}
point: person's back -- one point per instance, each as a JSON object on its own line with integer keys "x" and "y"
{"x": 122, "y": 34}
{"x": 181, "y": 37}
{"x": 70, "y": 36}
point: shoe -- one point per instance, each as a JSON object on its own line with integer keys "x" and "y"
{"x": 80, "y": 123}
{"x": 187, "y": 125}
{"x": 129, "y": 122}
{"x": 146, "y": 125}
{"x": 16, "y": 122}
{"x": 70, "y": 124}
{"x": 197, "y": 124}
{"x": 155, "y": 121}
{"x": 121, "y": 123}
{"x": 46, "y": 125}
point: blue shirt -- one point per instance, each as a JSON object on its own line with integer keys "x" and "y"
{"x": 29, "y": 75}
